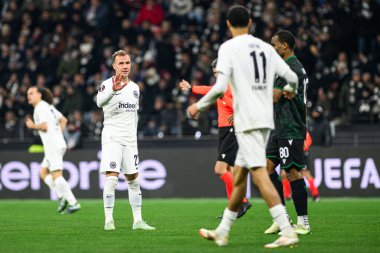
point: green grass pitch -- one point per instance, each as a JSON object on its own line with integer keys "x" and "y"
{"x": 338, "y": 225}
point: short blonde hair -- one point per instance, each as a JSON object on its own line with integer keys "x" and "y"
{"x": 118, "y": 53}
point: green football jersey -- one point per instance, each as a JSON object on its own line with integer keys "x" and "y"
{"x": 290, "y": 115}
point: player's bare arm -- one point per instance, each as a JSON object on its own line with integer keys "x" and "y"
{"x": 31, "y": 125}
{"x": 193, "y": 111}
{"x": 217, "y": 91}
{"x": 63, "y": 122}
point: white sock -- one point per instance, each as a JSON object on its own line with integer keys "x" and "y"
{"x": 64, "y": 188}
{"x": 109, "y": 196}
{"x": 49, "y": 182}
{"x": 225, "y": 225}
{"x": 135, "y": 199}
{"x": 279, "y": 216}
{"x": 303, "y": 220}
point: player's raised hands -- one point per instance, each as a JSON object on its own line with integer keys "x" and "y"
{"x": 184, "y": 85}
{"x": 117, "y": 82}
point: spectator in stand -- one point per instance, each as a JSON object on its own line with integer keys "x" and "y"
{"x": 69, "y": 64}
{"x": 348, "y": 95}
{"x": 179, "y": 10}
{"x": 73, "y": 100}
{"x": 10, "y": 127}
{"x": 58, "y": 96}
{"x": 178, "y": 37}
{"x": 133, "y": 7}
{"x": 96, "y": 15}
{"x": 13, "y": 84}
{"x": 152, "y": 12}
{"x": 95, "y": 125}
{"x": 73, "y": 131}
{"x": 365, "y": 103}
{"x": 319, "y": 128}
{"x": 185, "y": 67}
{"x": 168, "y": 120}
{"x": 151, "y": 128}
{"x": 89, "y": 98}
{"x": 376, "y": 99}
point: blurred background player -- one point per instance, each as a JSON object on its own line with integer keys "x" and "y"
{"x": 305, "y": 172}
{"x": 286, "y": 143}
{"x": 227, "y": 143}
{"x": 249, "y": 65}
{"x": 119, "y": 98}
{"x": 50, "y": 123}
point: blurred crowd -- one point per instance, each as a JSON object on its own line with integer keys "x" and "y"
{"x": 66, "y": 45}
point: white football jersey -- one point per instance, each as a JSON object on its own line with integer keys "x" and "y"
{"x": 120, "y": 112}
{"x": 52, "y": 139}
{"x": 249, "y": 65}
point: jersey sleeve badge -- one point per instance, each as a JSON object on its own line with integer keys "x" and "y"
{"x": 101, "y": 88}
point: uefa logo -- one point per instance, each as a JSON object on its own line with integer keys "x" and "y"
{"x": 136, "y": 94}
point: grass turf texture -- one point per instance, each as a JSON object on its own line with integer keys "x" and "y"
{"x": 339, "y": 225}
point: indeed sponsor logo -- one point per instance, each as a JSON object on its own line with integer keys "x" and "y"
{"x": 127, "y": 106}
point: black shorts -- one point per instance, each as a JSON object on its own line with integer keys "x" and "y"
{"x": 227, "y": 145}
{"x": 288, "y": 153}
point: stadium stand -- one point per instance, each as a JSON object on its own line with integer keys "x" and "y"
{"x": 65, "y": 46}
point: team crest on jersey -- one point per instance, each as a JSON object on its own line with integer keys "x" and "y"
{"x": 112, "y": 165}
{"x": 101, "y": 88}
{"x": 136, "y": 94}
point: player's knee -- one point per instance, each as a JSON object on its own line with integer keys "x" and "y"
{"x": 44, "y": 172}
{"x": 239, "y": 180}
{"x": 112, "y": 174}
{"x": 293, "y": 175}
{"x": 131, "y": 177}
{"x": 306, "y": 173}
{"x": 112, "y": 180}
{"x": 257, "y": 181}
{"x": 56, "y": 174}
{"x": 218, "y": 172}
{"x": 271, "y": 170}
{"x": 133, "y": 184}
{"x": 220, "y": 168}
{"x": 260, "y": 176}
{"x": 271, "y": 166}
